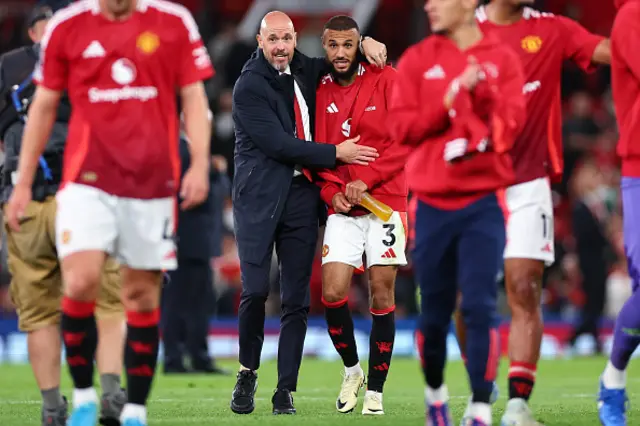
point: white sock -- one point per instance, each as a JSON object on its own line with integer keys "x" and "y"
{"x": 614, "y": 378}
{"x": 436, "y": 396}
{"x": 481, "y": 411}
{"x": 356, "y": 369}
{"x": 134, "y": 411}
{"x": 84, "y": 396}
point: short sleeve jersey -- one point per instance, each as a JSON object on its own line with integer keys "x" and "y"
{"x": 543, "y": 41}
{"x": 123, "y": 78}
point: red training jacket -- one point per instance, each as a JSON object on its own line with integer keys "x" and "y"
{"x": 625, "y": 82}
{"x": 494, "y": 113}
{"x": 362, "y": 109}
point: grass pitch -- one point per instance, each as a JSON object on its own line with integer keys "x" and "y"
{"x": 564, "y": 396}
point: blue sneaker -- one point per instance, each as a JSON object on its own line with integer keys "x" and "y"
{"x": 84, "y": 415}
{"x": 612, "y": 406}
{"x": 133, "y": 422}
{"x": 439, "y": 415}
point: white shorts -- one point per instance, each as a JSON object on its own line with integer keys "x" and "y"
{"x": 530, "y": 221}
{"x": 347, "y": 238}
{"x": 140, "y": 233}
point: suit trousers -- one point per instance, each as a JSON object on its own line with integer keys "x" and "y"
{"x": 295, "y": 242}
{"x": 187, "y": 304}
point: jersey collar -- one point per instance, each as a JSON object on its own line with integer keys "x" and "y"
{"x": 141, "y": 5}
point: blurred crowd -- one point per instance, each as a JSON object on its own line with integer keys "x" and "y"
{"x": 589, "y": 274}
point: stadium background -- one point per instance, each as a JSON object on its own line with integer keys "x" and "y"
{"x": 592, "y": 175}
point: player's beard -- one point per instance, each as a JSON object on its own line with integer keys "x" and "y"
{"x": 520, "y": 5}
{"x": 346, "y": 75}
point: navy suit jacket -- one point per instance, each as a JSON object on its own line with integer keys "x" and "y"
{"x": 266, "y": 149}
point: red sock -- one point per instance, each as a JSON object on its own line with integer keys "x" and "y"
{"x": 522, "y": 377}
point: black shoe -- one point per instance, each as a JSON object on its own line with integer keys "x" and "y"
{"x": 111, "y": 406}
{"x": 283, "y": 402}
{"x": 56, "y": 416}
{"x": 242, "y": 399}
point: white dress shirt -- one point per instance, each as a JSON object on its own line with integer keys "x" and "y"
{"x": 304, "y": 111}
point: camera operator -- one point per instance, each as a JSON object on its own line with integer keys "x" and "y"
{"x": 36, "y": 282}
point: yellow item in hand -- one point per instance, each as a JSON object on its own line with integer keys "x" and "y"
{"x": 381, "y": 210}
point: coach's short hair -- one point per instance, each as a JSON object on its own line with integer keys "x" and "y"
{"x": 341, "y": 23}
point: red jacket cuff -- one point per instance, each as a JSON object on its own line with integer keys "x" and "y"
{"x": 476, "y": 132}
{"x": 461, "y": 103}
{"x": 328, "y": 191}
{"x": 366, "y": 174}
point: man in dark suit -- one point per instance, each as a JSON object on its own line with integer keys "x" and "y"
{"x": 188, "y": 296}
{"x": 274, "y": 202}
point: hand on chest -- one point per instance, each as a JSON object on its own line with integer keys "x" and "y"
{"x": 440, "y": 72}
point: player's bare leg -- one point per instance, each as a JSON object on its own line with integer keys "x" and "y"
{"x": 141, "y": 299}
{"x": 111, "y": 336}
{"x": 44, "y": 356}
{"x": 81, "y": 273}
{"x": 382, "y": 284}
{"x": 336, "y": 281}
{"x": 524, "y": 289}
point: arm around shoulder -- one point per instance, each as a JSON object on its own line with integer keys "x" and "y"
{"x": 256, "y": 117}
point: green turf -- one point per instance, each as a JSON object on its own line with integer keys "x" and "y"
{"x": 565, "y": 396}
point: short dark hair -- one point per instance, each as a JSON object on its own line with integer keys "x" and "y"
{"x": 39, "y": 13}
{"x": 341, "y": 23}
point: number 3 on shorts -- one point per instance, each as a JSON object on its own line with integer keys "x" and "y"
{"x": 389, "y": 228}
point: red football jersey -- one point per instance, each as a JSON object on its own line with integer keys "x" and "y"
{"x": 542, "y": 41}
{"x": 337, "y": 120}
{"x": 123, "y": 79}
{"x": 625, "y": 83}
{"x": 361, "y": 108}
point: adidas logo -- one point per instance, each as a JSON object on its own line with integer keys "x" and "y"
{"x": 389, "y": 254}
{"x": 94, "y": 50}
{"x": 435, "y": 73}
{"x": 370, "y": 108}
{"x": 332, "y": 109}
